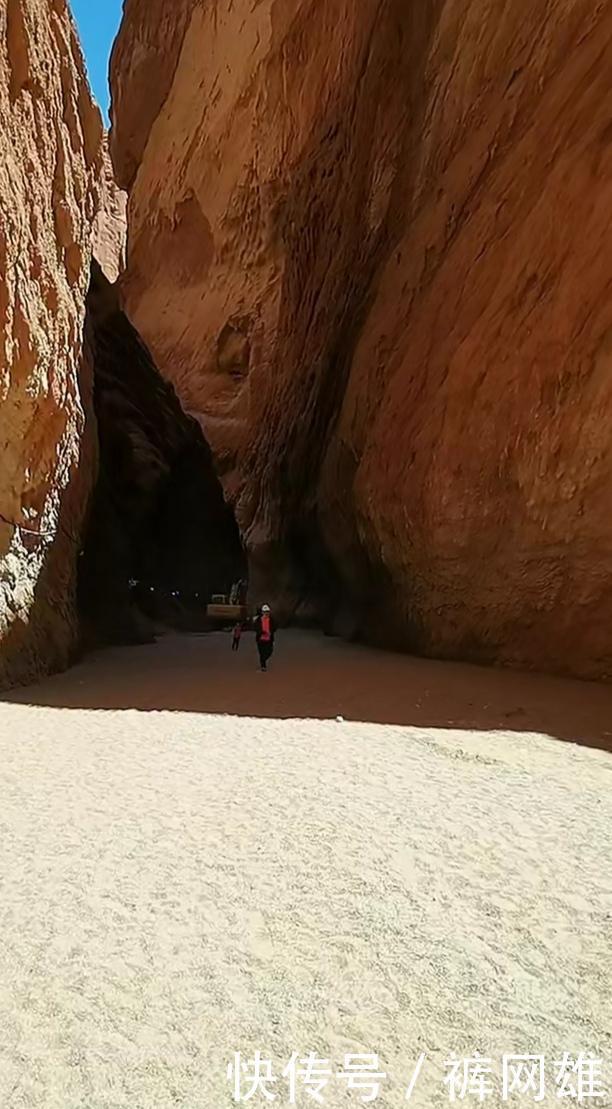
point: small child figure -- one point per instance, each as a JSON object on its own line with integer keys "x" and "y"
{"x": 236, "y": 637}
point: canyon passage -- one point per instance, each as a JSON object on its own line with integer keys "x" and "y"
{"x": 323, "y": 306}
{"x": 365, "y": 251}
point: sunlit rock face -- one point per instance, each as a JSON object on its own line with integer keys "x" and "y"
{"x": 50, "y": 164}
{"x": 110, "y": 229}
{"x": 367, "y": 246}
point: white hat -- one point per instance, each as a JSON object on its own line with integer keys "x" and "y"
{"x": 265, "y": 608}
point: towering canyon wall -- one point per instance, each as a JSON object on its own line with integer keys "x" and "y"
{"x": 50, "y": 161}
{"x": 369, "y": 245}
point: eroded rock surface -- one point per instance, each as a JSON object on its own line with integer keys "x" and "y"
{"x": 50, "y": 158}
{"x": 110, "y": 229}
{"x": 368, "y": 245}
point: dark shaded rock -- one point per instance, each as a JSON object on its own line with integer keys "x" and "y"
{"x": 160, "y": 537}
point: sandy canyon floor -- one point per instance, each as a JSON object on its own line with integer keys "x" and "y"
{"x": 197, "y": 860}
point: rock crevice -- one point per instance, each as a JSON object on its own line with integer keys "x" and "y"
{"x": 160, "y": 538}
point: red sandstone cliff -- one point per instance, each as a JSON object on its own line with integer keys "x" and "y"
{"x": 369, "y": 244}
{"x": 50, "y": 159}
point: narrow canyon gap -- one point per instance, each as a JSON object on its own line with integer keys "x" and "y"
{"x": 159, "y": 537}
{"x": 112, "y": 519}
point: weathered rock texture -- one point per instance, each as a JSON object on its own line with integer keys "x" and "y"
{"x": 369, "y": 245}
{"x": 158, "y": 517}
{"x": 110, "y": 229}
{"x": 50, "y": 157}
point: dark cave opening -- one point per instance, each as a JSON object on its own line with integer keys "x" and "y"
{"x": 160, "y": 539}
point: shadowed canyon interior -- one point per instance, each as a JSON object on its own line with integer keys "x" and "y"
{"x": 367, "y": 255}
{"x": 159, "y": 538}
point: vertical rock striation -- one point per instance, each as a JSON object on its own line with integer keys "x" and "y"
{"x": 110, "y": 228}
{"x": 368, "y": 246}
{"x": 50, "y": 160}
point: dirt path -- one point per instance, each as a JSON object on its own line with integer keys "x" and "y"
{"x": 313, "y": 676}
{"x": 177, "y": 886}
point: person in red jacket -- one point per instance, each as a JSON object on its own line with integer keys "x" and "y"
{"x": 264, "y": 635}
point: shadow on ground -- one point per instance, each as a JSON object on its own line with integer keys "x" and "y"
{"x": 314, "y": 676}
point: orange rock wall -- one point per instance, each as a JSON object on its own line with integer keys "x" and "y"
{"x": 110, "y": 228}
{"x": 369, "y": 245}
{"x": 50, "y": 159}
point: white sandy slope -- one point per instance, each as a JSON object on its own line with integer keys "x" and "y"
{"x": 176, "y": 887}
